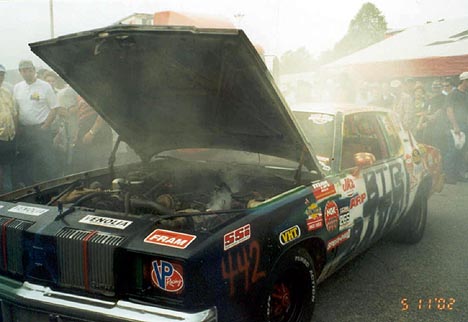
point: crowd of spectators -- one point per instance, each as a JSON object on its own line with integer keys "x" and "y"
{"x": 437, "y": 116}
{"x": 46, "y": 130}
{"x": 435, "y": 110}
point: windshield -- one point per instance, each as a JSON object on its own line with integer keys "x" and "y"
{"x": 229, "y": 156}
{"x": 318, "y": 129}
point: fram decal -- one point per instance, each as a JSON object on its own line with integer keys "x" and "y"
{"x": 331, "y": 216}
{"x": 165, "y": 276}
{"x": 170, "y": 238}
{"x": 289, "y": 235}
{"x": 314, "y": 217}
{"x": 27, "y": 210}
{"x": 236, "y": 237}
{"x": 323, "y": 189}
{"x": 338, "y": 240}
{"x": 358, "y": 200}
{"x": 348, "y": 186}
{"x": 105, "y": 222}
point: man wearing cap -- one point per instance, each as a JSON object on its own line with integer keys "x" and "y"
{"x": 457, "y": 112}
{"x": 37, "y": 106}
{"x": 8, "y": 120}
{"x": 437, "y": 130}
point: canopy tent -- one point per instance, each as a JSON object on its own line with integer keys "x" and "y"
{"x": 172, "y": 18}
{"x": 434, "y": 49}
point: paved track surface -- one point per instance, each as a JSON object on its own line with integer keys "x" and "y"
{"x": 371, "y": 287}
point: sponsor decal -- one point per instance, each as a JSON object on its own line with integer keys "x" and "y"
{"x": 344, "y": 210}
{"x": 416, "y": 156}
{"x": 348, "y": 186}
{"x": 28, "y": 210}
{"x": 338, "y": 240}
{"x": 323, "y": 189}
{"x": 166, "y": 276}
{"x": 314, "y": 217}
{"x": 105, "y": 222}
{"x": 236, "y": 237}
{"x": 289, "y": 235}
{"x": 320, "y": 119}
{"x": 407, "y": 158}
{"x": 345, "y": 221}
{"x": 170, "y": 238}
{"x": 331, "y": 216}
{"x": 357, "y": 200}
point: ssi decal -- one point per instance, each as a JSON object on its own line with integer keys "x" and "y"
{"x": 166, "y": 277}
{"x": 290, "y": 234}
{"x": 236, "y": 237}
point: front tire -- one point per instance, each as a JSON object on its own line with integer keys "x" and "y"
{"x": 290, "y": 295}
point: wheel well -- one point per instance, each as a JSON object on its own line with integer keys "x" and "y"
{"x": 316, "y": 249}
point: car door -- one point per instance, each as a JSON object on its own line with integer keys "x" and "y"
{"x": 372, "y": 177}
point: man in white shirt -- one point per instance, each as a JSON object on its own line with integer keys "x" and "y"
{"x": 37, "y": 108}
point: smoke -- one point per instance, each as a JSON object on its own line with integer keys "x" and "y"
{"x": 221, "y": 199}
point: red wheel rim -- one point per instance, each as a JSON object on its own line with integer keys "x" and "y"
{"x": 280, "y": 300}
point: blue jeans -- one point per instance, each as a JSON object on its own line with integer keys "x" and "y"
{"x": 454, "y": 161}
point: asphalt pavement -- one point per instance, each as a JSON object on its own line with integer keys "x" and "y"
{"x": 391, "y": 282}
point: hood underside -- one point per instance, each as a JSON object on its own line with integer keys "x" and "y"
{"x": 165, "y": 88}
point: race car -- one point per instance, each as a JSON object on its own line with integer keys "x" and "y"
{"x": 239, "y": 207}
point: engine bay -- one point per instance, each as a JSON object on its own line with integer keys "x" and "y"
{"x": 172, "y": 188}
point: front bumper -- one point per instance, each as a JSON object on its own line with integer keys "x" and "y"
{"x": 31, "y": 302}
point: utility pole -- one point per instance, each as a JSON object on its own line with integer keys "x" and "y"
{"x": 51, "y": 10}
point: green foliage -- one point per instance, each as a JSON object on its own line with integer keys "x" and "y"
{"x": 296, "y": 61}
{"x": 367, "y": 28}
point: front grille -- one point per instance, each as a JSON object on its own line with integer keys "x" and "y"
{"x": 86, "y": 259}
{"x": 11, "y": 241}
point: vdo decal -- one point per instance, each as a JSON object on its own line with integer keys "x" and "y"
{"x": 166, "y": 277}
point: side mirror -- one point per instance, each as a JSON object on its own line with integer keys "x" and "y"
{"x": 363, "y": 159}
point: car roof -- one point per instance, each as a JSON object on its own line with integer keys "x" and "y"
{"x": 333, "y": 108}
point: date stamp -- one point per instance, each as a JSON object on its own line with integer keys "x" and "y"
{"x": 426, "y": 304}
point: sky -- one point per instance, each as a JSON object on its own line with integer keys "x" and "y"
{"x": 276, "y": 25}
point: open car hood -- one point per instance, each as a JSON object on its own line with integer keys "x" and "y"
{"x": 165, "y": 88}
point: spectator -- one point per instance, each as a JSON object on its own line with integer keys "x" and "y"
{"x": 457, "y": 112}
{"x": 403, "y": 105}
{"x": 437, "y": 130}
{"x": 93, "y": 142}
{"x": 8, "y": 120}
{"x": 420, "y": 110}
{"x": 65, "y": 125}
{"x": 37, "y": 107}
{"x": 387, "y": 97}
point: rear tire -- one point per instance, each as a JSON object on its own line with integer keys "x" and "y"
{"x": 411, "y": 229}
{"x": 290, "y": 293}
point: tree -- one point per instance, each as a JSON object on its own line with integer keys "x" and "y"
{"x": 296, "y": 61}
{"x": 367, "y": 28}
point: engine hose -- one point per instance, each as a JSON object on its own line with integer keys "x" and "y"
{"x": 151, "y": 204}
